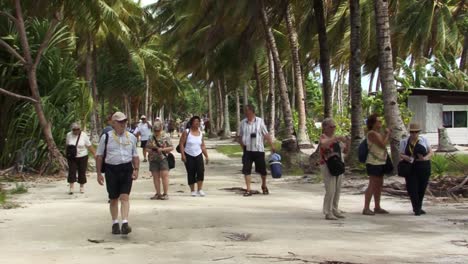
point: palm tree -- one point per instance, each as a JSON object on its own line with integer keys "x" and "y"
{"x": 355, "y": 79}
{"x": 324, "y": 58}
{"x": 392, "y": 112}
{"x": 290, "y": 141}
{"x": 302, "y": 136}
{"x": 30, "y": 64}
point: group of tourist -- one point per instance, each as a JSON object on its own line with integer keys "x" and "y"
{"x": 415, "y": 150}
{"x": 117, "y": 158}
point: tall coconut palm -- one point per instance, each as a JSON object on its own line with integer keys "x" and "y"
{"x": 392, "y": 112}
{"x": 302, "y": 136}
{"x": 355, "y": 79}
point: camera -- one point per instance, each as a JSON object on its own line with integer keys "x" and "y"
{"x": 253, "y": 135}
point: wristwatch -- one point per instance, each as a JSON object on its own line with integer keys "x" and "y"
{"x": 135, "y": 168}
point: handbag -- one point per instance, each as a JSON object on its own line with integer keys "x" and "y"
{"x": 334, "y": 162}
{"x": 72, "y": 150}
{"x": 169, "y": 156}
{"x": 388, "y": 167}
{"x": 404, "y": 168}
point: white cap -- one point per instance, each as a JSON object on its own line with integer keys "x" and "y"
{"x": 75, "y": 125}
{"x": 143, "y": 117}
{"x": 119, "y": 116}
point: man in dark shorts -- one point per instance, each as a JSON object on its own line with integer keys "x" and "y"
{"x": 253, "y": 133}
{"x": 121, "y": 169}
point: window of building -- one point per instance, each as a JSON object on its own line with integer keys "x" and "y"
{"x": 455, "y": 119}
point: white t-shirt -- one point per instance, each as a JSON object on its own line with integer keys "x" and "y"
{"x": 145, "y": 131}
{"x": 83, "y": 143}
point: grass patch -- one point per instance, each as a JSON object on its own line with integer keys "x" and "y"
{"x": 2, "y": 197}
{"x": 19, "y": 189}
{"x": 232, "y": 151}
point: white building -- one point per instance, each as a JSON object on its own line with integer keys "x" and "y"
{"x": 434, "y": 108}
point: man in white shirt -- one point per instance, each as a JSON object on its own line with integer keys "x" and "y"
{"x": 117, "y": 151}
{"x": 253, "y": 132}
{"x": 144, "y": 131}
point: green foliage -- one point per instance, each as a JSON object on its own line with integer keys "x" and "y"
{"x": 2, "y": 197}
{"x": 439, "y": 166}
{"x": 19, "y": 189}
{"x": 374, "y": 104}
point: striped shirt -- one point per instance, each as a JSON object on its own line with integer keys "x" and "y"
{"x": 257, "y": 128}
{"x": 120, "y": 148}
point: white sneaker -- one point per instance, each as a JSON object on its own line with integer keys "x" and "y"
{"x": 201, "y": 193}
{"x": 194, "y": 194}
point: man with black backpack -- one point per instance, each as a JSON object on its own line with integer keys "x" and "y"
{"x": 332, "y": 167}
{"x": 118, "y": 154}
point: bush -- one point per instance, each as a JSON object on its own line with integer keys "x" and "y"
{"x": 440, "y": 164}
{"x": 2, "y": 197}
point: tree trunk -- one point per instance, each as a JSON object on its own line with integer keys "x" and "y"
{"x": 324, "y": 59}
{"x": 271, "y": 89}
{"x": 445, "y": 145}
{"x": 227, "y": 125}
{"x": 392, "y": 112}
{"x": 238, "y": 114}
{"x": 96, "y": 94}
{"x": 31, "y": 67}
{"x": 369, "y": 90}
{"x": 357, "y": 132}
{"x": 89, "y": 81}
{"x": 147, "y": 95}
{"x": 260, "y": 91}
{"x": 246, "y": 94}
{"x": 289, "y": 144}
{"x": 219, "y": 93}
{"x": 377, "y": 82}
{"x": 212, "y": 131}
{"x": 464, "y": 55}
{"x": 302, "y": 136}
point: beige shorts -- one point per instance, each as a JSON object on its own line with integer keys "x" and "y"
{"x": 159, "y": 165}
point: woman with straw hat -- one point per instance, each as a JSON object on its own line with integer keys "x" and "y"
{"x": 417, "y": 151}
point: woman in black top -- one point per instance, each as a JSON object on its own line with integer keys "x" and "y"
{"x": 417, "y": 151}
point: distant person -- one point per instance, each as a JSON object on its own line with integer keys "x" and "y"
{"x": 121, "y": 167}
{"x": 143, "y": 130}
{"x": 375, "y": 164}
{"x": 79, "y": 163}
{"x": 158, "y": 146}
{"x": 253, "y": 132}
{"x": 192, "y": 148}
{"x": 417, "y": 151}
{"x": 109, "y": 127}
{"x": 328, "y": 143}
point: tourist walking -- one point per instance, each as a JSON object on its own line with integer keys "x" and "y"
{"x": 158, "y": 147}
{"x": 143, "y": 130}
{"x": 417, "y": 151}
{"x": 78, "y": 145}
{"x": 253, "y": 133}
{"x": 192, "y": 148}
{"x": 118, "y": 154}
{"x": 375, "y": 164}
{"x": 330, "y": 146}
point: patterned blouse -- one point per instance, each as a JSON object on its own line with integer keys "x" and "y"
{"x": 162, "y": 141}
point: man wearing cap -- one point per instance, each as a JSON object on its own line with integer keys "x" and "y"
{"x": 144, "y": 131}
{"x": 121, "y": 168}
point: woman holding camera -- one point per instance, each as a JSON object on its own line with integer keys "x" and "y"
{"x": 158, "y": 147}
{"x": 417, "y": 151}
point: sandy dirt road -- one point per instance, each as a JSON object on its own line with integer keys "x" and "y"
{"x": 284, "y": 227}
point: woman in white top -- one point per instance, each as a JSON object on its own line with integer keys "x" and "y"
{"x": 80, "y": 163}
{"x": 192, "y": 146}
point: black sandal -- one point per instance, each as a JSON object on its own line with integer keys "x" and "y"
{"x": 247, "y": 193}
{"x": 265, "y": 191}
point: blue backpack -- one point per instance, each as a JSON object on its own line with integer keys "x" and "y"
{"x": 363, "y": 151}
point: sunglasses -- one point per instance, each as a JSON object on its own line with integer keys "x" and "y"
{"x": 75, "y": 129}
{"x": 122, "y": 121}
{"x": 332, "y": 126}
{"x": 414, "y": 132}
